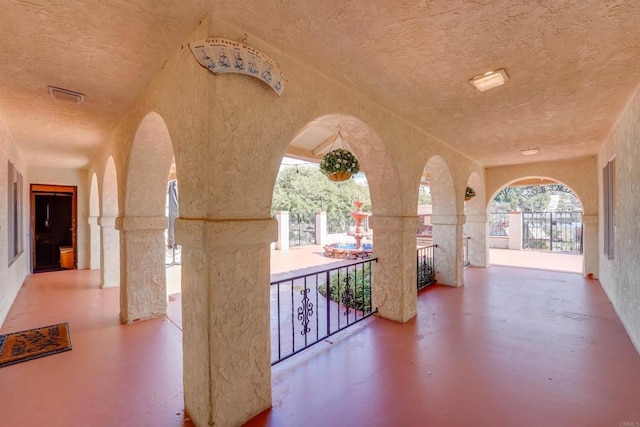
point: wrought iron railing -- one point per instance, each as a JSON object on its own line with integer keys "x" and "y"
{"x": 426, "y": 266}
{"x": 309, "y": 308}
{"x": 498, "y": 224}
{"x": 465, "y": 251}
{"x": 553, "y": 231}
{"x": 302, "y": 229}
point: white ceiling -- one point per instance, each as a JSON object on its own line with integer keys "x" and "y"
{"x": 572, "y": 64}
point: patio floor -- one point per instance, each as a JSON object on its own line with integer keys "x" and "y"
{"x": 512, "y": 346}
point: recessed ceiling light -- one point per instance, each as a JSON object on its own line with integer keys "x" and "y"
{"x": 489, "y": 80}
{"x": 530, "y": 151}
{"x": 66, "y": 95}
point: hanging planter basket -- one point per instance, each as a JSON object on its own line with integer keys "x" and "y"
{"x": 339, "y": 176}
{"x": 339, "y": 165}
{"x": 469, "y": 194}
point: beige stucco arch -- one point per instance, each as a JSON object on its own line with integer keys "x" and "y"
{"x": 142, "y": 226}
{"x": 447, "y": 223}
{"x": 532, "y": 179}
{"x": 476, "y": 223}
{"x": 109, "y": 236}
{"x": 394, "y": 236}
{"x": 580, "y": 175}
{"x": 375, "y": 160}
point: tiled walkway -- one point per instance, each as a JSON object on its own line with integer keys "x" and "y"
{"x": 511, "y": 347}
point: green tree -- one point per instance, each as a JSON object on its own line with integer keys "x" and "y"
{"x": 424, "y": 195}
{"x": 533, "y": 198}
{"x": 305, "y": 189}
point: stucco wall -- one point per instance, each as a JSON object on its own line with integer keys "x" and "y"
{"x": 620, "y": 277}
{"x": 72, "y": 177}
{"x": 11, "y": 276}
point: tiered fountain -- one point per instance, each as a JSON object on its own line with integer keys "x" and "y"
{"x": 341, "y": 250}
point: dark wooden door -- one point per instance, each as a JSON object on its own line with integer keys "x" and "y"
{"x": 53, "y": 227}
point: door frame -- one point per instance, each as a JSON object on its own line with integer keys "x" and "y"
{"x": 48, "y": 190}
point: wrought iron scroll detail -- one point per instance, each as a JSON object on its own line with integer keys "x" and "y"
{"x": 347, "y": 296}
{"x": 305, "y": 311}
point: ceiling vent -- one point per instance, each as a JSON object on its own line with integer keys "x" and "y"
{"x": 66, "y": 95}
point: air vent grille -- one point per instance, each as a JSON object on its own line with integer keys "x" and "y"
{"x": 66, "y": 95}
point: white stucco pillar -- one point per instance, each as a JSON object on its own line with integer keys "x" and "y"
{"x": 447, "y": 234}
{"x": 225, "y": 310}
{"x": 109, "y": 252}
{"x": 94, "y": 235}
{"x": 321, "y": 228}
{"x": 590, "y": 260}
{"x": 143, "y": 293}
{"x": 515, "y": 231}
{"x": 394, "y": 290}
{"x": 477, "y": 230}
{"x": 283, "y": 230}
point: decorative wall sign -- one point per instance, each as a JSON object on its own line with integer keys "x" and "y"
{"x": 221, "y": 56}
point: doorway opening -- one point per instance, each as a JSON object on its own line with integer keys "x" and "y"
{"x": 53, "y": 227}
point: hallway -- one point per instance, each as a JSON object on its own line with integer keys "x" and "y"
{"x": 513, "y": 346}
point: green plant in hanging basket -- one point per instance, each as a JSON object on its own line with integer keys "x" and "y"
{"x": 469, "y": 193}
{"x": 339, "y": 164}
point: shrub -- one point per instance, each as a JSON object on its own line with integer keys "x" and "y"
{"x": 353, "y": 289}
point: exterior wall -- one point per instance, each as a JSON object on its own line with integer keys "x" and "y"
{"x": 499, "y": 242}
{"x": 73, "y": 177}
{"x": 12, "y": 275}
{"x": 620, "y": 277}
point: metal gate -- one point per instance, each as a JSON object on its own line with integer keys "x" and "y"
{"x": 552, "y": 231}
{"x": 302, "y": 229}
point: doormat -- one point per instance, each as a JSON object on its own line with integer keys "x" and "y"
{"x": 21, "y": 346}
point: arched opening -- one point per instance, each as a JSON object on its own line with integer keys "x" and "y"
{"x": 109, "y": 236}
{"x": 173, "y": 251}
{"x": 393, "y": 294}
{"x": 536, "y": 222}
{"x": 143, "y": 273}
{"x": 446, "y": 225}
{"x": 322, "y": 228}
{"x": 94, "y": 229}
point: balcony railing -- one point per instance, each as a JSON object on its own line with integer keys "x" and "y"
{"x": 426, "y": 266}
{"x": 309, "y": 308}
{"x": 554, "y": 231}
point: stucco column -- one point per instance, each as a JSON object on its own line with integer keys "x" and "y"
{"x": 515, "y": 231}
{"x": 321, "y": 228}
{"x": 394, "y": 290}
{"x": 590, "y": 260}
{"x": 143, "y": 293}
{"x": 283, "y": 230}
{"x": 447, "y": 234}
{"x": 477, "y": 230}
{"x": 94, "y": 235}
{"x": 225, "y": 312}
{"x": 109, "y": 252}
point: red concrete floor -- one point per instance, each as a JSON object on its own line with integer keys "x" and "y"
{"x": 513, "y": 346}
{"x": 116, "y": 375}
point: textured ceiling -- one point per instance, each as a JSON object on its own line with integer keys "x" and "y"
{"x": 108, "y": 50}
{"x": 573, "y": 65}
